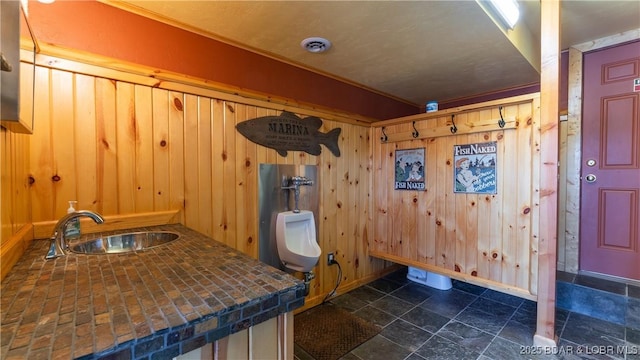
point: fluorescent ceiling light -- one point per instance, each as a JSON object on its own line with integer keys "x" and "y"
{"x": 508, "y": 11}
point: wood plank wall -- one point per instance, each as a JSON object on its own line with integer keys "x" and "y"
{"x": 15, "y": 202}
{"x": 120, "y": 146}
{"x": 487, "y": 239}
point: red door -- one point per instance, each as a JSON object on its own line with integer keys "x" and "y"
{"x": 610, "y": 207}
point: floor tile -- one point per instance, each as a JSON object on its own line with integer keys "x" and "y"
{"x": 439, "y": 348}
{"x": 384, "y": 285}
{"x": 406, "y": 334}
{"x": 380, "y": 348}
{"x": 375, "y": 315}
{"x": 425, "y": 319}
{"x": 492, "y": 307}
{"x": 503, "y": 298}
{"x": 482, "y": 320}
{"x": 398, "y": 276}
{"x": 367, "y": 294}
{"x": 633, "y": 291}
{"x": 448, "y": 303}
{"x": 413, "y": 293}
{"x": 392, "y": 305}
{"x": 601, "y": 284}
{"x": 349, "y": 302}
{"x": 466, "y": 336}
{"x": 587, "y": 331}
{"x": 632, "y": 316}
{"x": 470, "y": 288}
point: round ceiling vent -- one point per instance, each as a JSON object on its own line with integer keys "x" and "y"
{"x": 316, "y": 44}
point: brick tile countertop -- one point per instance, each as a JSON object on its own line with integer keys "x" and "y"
{"x": 157, "y": 303}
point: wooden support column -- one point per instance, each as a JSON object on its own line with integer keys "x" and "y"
{"x": 547, "y": 252}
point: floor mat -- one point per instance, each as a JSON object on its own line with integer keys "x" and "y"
{"x": 328, "y": 332}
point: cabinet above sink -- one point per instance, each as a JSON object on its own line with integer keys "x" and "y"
{"x": 16, "y": 77}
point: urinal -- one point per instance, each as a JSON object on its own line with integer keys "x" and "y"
{"x": 296, "y": 240}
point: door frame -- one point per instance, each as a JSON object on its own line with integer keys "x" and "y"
{"x": 569, "y": 229}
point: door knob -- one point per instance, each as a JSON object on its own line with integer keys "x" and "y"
{"x": 590, "y": 178}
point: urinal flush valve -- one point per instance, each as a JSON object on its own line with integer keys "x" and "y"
{"x": 308, "y": 276}
{"x": 294, "y": 184}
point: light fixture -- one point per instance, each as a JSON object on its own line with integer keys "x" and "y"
{"x": 316, "y": 44}
{"x": 46, "y": 1}
{"x": 508, "y": 11}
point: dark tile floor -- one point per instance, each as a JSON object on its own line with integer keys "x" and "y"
{"x": 471, "y": 322}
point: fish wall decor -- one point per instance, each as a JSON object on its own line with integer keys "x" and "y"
{"x": 288, "y": 132}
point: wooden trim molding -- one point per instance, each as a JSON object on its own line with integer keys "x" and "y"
{"x": 13, "y": 248}
{"x": 548, "y": 185}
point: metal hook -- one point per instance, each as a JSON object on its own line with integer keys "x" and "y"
{"x": 501, "y": 122}
{"x": 454, "y": 129}
{"x": 415, "y": 132}
{"x": 384, "y": 136}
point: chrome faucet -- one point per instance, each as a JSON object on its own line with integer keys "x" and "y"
{"x": 58, "y": 242}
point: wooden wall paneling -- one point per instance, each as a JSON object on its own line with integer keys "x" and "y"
{"x": 249, "y": 240}
{"x": 510, "y": 182}
{"x": 524, "y": 195}
{"x": 229, "y": 158}
{"x": 191, "y": 163}
{"x": 161, "y": 146}
{"x": 144, "y": 175}
{"x": 449, "y": 212}
{"x": 219, "y": 163}
{"x": 471, "y": 207}
{"x": 341, "y": 209}
{"x": 428, "y": 244}
{"x": 63, "y": 136}
{"x": 497, "y": 210}
{"x": 240, "y": 182}
{"x": 85, "y": 142}
{"x": 328, "y": 210}
{"x": 484, "y": 218}
{"x": 536, "y": 165}
{"x": 352, "y": 175}
{"x": 460, "y": 209}
{"x": 126, "y": 133}
{"x": 41, "y": 156}
{"x": 442, "y": 155}
{"x": 176, "y": 144}
{"x": 6, "y": 164}
{"x": 379, "y": 189}
{"x": 106, "y": 147}
{"x": 364, "y": 199}
{"x": 206, "y": 177}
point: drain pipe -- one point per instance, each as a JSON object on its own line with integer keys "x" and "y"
{"x": 308, "y": 276}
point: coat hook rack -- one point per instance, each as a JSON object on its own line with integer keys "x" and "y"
{"x": 501, "y": 122}
{"x": 384, "y": 136}
{"x": 415, "y": 132}
{"x": 454, "y": 129}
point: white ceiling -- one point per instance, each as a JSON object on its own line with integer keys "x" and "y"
{"x": 412, "y": 50}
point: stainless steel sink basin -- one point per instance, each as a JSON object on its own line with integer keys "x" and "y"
{"x": 122, "y": 243}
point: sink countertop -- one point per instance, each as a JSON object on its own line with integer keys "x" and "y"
{"x": 163, "y": 301}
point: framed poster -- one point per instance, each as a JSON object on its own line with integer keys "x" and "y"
{"x": 409, "y": 174}
{"x": 475, "y": 168}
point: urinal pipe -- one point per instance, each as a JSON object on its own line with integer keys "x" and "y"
{"x": 308, "y": 276}
{"x": 296, "y": 182}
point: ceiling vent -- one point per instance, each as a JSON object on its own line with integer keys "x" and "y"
{"x": 316, "y": 45}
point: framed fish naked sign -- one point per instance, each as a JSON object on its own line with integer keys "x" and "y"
{"x": 288, "y": 132}
{"x": 409, "y": 173}
{"x": 475, "y": 168}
